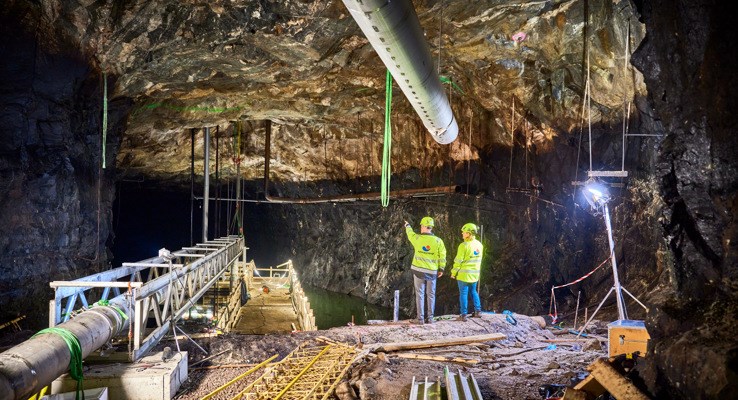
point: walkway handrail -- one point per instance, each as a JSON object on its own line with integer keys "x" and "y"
{"x": 243, "y": 276}
{"x": 300, "y": 302}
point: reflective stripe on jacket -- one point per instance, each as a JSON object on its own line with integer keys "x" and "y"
{"x": 468, "y": 261}
{"x": 430, "y": 252}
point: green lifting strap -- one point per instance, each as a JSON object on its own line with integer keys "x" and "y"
{"x": 387, "y": 151}
{"x": 449, "y": 81}
{"x": 75, "y": 351}
{"x": 105, "y": 116}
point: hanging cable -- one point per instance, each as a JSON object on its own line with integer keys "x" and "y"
{"x": 512, "y": 142}
{"x": 440, "y": 37}
{"x": 581, "y": 130}
{"x": 105, "y": 116}
{"x": 589, "y": 113}
{"x": 468, "y": 153}
{"x": 626, "y": 114}
{"x": 527, "y": 142}
{"x": 387, "y": 151}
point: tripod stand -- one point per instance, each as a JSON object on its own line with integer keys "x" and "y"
{"x": 597, "y": 197}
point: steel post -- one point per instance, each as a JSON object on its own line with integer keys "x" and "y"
{"x": 206, "y": 185}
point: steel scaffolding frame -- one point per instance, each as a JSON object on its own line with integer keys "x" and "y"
{"x": 163, "y": 287}
{"x": 311, "y": 371}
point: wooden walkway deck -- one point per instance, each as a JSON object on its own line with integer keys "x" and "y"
{"x": 277, "y": 304}
{"x": 266, "y": 312}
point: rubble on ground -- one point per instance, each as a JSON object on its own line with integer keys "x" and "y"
{"x": 512, "y": 368}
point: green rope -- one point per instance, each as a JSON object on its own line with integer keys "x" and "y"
{"x": 113, "y": 306}
{"x": 447, "y": 80}
{"x": 75, "y": 359}
{"x": 387, "y": 151}
{"x": 105, "y": 116}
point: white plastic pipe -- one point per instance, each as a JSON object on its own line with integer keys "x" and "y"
{"x": 393, "y": 29}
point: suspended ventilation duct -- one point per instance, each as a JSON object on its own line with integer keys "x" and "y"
{"x": 393, "y": 29}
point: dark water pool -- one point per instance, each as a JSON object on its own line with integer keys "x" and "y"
{"x": 333, "y": 309}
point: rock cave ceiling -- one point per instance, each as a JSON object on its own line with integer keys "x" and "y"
{"x": 307, "y": 66}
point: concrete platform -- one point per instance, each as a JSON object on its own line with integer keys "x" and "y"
{"x": 148, "y": 379}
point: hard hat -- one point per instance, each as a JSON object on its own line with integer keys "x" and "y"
{"x": 471, "y": 228}
{"x": 427, "y": 221}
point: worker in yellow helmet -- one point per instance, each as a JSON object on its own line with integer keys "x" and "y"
{"x": 428, "y": 264}
{"x": 467, "y": 265}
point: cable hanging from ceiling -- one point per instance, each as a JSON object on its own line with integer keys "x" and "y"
{"x": 387, "y": 149}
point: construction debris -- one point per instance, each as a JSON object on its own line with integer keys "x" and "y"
{"x": 604, "y": 378}
{"x": 388, "y": 347}
{"x": 507, "y": 361}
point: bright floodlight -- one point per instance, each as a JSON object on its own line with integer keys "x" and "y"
{"x": 596, "y": 194}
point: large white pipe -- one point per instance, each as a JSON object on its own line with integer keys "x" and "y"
{"x": 393, "y": 29}
{"x": 33, "y": 364}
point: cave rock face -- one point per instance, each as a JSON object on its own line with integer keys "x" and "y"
{"x": 516, "y": 75}
{"x": 307, "y": 66}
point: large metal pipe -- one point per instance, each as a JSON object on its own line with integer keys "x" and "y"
{"x": 345, "y": 198}
{"x": 206, "y": 186}
{"x": 33, "y": 364}
{"x": 393, "y": 29}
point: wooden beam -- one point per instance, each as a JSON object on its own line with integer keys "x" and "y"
{"x": 387, "y": 347}
{"x": 429, "y": 357}
{"x": 573, "y": 394}
{"x": 618, "y": 386}
{"x": 590, "y": 386}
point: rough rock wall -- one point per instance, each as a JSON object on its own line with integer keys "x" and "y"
{"x": 689, "y": 61}
{"x": 54, "y": 197}
{"x": 534, "y": 237}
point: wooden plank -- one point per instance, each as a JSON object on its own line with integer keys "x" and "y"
{"x": 573, "y": 394}
{"x": 387, "y": 347}
{"x": 613, "y": 174}
{"x": 429, "y": 357}
{"x": 618, "y": 386}
{"x": 590, "y": 386}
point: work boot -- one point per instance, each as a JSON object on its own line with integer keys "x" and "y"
{"x": 429, "y": 320}
{"x": 462, "y": 318}
{"x": 477, "y": 314}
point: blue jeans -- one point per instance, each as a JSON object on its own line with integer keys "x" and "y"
{"x": 464, "y": 289}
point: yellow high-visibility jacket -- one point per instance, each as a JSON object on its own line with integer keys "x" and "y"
{"x": 468, "y": 261}
{"x": 430, "y": 252}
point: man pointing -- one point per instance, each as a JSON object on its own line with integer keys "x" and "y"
{"x": 429, "y": 261}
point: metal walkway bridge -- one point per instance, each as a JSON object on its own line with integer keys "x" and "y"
{"x": 131, "y": 308}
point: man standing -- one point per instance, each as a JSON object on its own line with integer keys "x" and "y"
{"x": 428, "y": 264}
{"x": 466, "y": 268}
